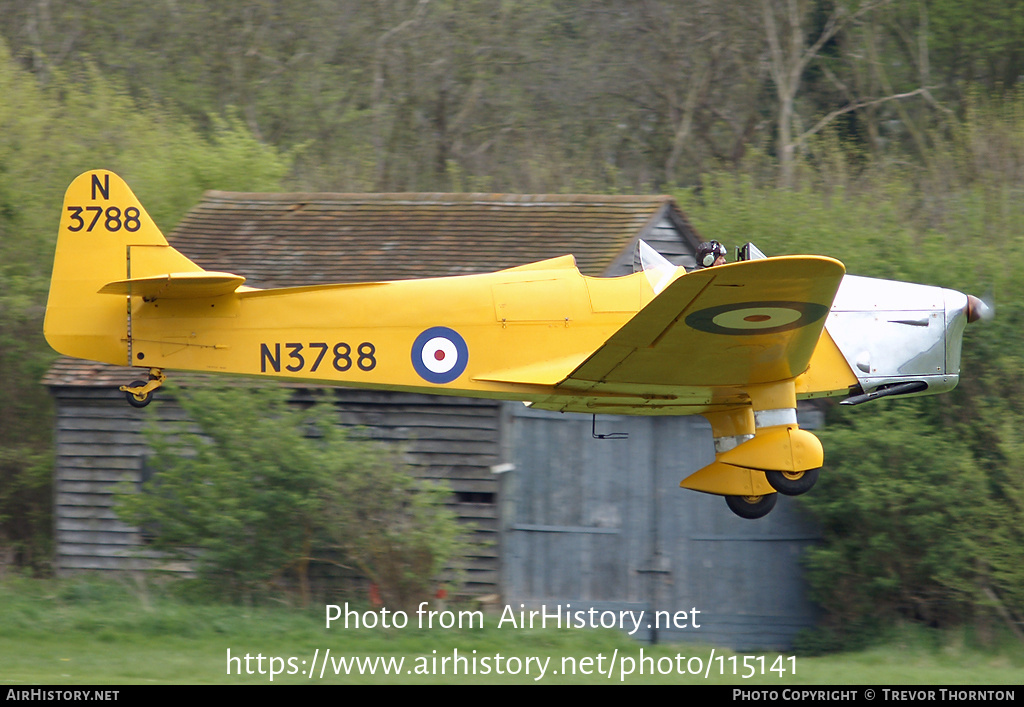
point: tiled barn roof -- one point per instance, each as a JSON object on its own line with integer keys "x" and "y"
{"x": 278, "y": 240}
{"x": 78, "y": 373}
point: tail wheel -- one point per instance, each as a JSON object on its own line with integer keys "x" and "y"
{"x": 140, "y": 393}
{"x": 138, "y": 401}
{"x": 752, "y": 507}
{"x": 792, "y": 483}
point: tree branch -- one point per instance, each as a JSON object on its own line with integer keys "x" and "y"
{"x": 852, "y": 107}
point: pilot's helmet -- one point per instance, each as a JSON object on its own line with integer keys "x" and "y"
{"x": 708, "y": 252}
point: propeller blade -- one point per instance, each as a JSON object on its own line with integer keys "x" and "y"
{"x": 979, "y": 310}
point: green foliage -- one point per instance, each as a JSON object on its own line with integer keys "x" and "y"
{"x": 181, "y": 164}
{"x": 48, "y": 135}
{"x": 392, "y": 527}
{"x": 263, "y": 488}
{"x": 906, "y": 514}
{"x": 533, "y": 95}
{"x": 978, "y": 41}
{"x": 26, "y": 139}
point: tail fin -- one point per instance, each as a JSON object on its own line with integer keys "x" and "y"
{"x": 105, "y": 235}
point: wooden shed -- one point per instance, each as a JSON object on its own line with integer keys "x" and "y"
{"x": 562, "y": 517}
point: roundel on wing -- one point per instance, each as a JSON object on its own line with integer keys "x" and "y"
{"x": 439, "y": 355}
{"x": 747, "y": 318}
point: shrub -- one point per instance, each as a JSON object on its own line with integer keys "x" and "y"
{"x": 258, "y": 488}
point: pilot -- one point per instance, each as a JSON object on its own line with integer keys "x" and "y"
{"x": 710, "y": 254}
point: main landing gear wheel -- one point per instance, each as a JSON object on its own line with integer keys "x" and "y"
{"x": 752, "y": 507}
{"x": 138, "y": 401}
{"x": 792, "y": 483}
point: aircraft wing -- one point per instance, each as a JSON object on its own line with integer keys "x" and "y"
{"x": 744, "y": 323}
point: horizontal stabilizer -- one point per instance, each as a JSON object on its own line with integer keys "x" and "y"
{"x": 181, "y": 285}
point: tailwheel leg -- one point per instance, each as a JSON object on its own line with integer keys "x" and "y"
{"x": 752, "y": 507}
{"x": 140, "y": 393}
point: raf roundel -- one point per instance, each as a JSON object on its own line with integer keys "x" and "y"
{"x": 439, "y": 355}
{"x": 748, "y": 318}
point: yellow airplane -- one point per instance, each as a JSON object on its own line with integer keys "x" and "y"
{"x": 738, "y": 343}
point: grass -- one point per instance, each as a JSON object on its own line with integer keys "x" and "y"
{"x": 85, "y": 631}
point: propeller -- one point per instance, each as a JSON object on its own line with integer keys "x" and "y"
{"x": 980, "y": 309}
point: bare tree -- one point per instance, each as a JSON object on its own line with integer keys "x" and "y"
{"x": 683, "y": 79}
{"x": 789, "y": 53}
